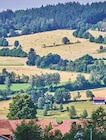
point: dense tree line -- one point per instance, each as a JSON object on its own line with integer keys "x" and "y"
{"x": 61, "y": 16}
{"x": 15, "y": 52}
{"x": 83, "y": 33}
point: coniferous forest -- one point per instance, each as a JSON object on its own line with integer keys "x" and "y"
{"x": 70, "y": 15}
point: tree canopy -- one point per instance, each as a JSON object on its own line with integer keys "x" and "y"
{"x": 22, "y": 107}
{"x": 28, "y": 131}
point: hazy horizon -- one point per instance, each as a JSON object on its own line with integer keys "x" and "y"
{"x": 24, "y": 4}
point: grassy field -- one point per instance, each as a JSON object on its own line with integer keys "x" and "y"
{"x": 71, "y": 51}
{"x": 80, "y": 106}
{"x": 16, "y": 87}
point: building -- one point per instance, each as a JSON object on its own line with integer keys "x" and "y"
{"x": 8, "y": 126}
{"x": 99, "y": 100}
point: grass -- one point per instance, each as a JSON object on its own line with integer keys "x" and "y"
{"x": 71, "y": 51}
{"x": 79, "y": 106}
{"x": 16, "y": 87}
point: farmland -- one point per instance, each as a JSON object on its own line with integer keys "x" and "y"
{"x": 70, "y": 51}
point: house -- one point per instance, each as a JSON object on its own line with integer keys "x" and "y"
{"x": 8, "y": 126}
{"x": 99, "y": 100}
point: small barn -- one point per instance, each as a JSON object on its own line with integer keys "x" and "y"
{"x": 99, "y": 100}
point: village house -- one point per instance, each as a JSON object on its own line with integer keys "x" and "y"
{"x": 8, "y": 126}
{"x": 99, "y": 100}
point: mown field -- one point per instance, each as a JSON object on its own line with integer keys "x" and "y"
{"x": 71, "y": 51}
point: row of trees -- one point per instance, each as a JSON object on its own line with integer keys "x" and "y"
{"x": 99, "y": 39}
{"x": 15, "y": 52}
{"x": 14, "y": 78}
{"x": 83, "y": 33}
{"x": 61, "y": 16}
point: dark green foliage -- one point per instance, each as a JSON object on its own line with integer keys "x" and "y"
{"x": 31, "y": 57}
{"x": 72, "y": 112}
{"x": 28, "y": 131}
{"x": 80, "y": 82}
{"x": 4, "y": 94}
{"x": 82, "y": 33}
{"x": 45, "y": 110}
{"x": 47, "y": 61}
{"x": 100, "y": 39}
{"x": 61, "y": 107}
{"x": 15, "y": 52}
{"x": 41, "y": 102}
{"x": 26, "y": 30}
{"x": 89, "y": 94}
{"x": 70, "y": 15}
{"x": 104, "y": 80}
{"x": 7, "y": 83}
{"x": 46, "y": 79}
{"x": 65, "y": 40}
{"x": 3, "y": 42}
{"x": 84, "y": 114}
{"x": 62, "y": 95}
{"x": 22, "y": 107}
{"x": 16, "y": 43}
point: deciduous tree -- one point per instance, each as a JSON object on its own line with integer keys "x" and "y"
{"x": 22, "y": 107}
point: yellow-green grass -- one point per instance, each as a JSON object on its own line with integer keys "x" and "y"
{"x": 15, "y": 87}
{"x": 71, "y": 51}
{"x": 79, "y": 106}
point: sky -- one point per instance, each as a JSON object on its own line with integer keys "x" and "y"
{"x": 24, "y": 4}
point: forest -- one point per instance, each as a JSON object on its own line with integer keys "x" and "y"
{"x": 71, "y": 15}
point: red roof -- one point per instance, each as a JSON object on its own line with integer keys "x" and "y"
{"x": 7, "y": 126}
{"x": 65, "y": 126}
{"x": 99, "y": 98}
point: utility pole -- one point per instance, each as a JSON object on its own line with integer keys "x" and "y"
{"x": 90, "y": 133}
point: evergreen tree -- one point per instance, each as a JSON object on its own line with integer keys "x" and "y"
{"x": 31, "y": 57}
{"x": 72, "y": 112}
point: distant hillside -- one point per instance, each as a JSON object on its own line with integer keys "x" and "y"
{"x": 71, "y": 15}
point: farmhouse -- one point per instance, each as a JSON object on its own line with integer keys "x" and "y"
{"x": 8, "y": 126}
{"x": 99, "y": 100}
